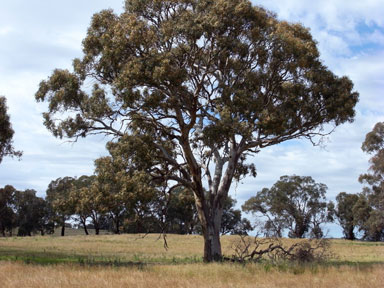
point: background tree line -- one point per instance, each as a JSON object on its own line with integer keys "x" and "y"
{"x": 77, "y": 202}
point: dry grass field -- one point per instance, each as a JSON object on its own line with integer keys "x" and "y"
{"x": 133, "y": 261}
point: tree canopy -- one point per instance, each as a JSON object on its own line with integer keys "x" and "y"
{"x": 370, "y": 207}
{"x": 199, "y": 85}
{"x": 6, "y": 132}
{"x": 345, "y": 213}
{"x": 295, "y": 203}
{"x": 7, "y": 213}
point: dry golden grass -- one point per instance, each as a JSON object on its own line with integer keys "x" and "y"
{"x": 191, "y": 275}
{"x": 131, "y": 247}
{"x": 123, "y": 247}
{"x": 176, "y": 267}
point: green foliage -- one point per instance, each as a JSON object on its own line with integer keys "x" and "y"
{"x": 58, "y": 197}
{"x": 6, "y": 132}
{"x": 198, "y": 85}
{"x": 233, "y": 223}
{"x": 181, "y": 215}
{"x": 295, "y": 203}
{"x": 7, "y": 214}
{"x": 370, "y": 206}
{"x": 32, "y": 214}
{"x": 346, "y": 214}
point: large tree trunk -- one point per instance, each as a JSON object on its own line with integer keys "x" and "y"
{"x": 211, "y": 233}
{"x": 210, "y": 220}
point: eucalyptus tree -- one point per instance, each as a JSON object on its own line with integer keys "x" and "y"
{"x": 295, "y": 203}
{"x": 345, "y": 214}
{"x": 203, "y": 84}
{"x": 32, "y": 214}
{"x": 371, "y": 203}
{"x": 232, "y": 222}
{"x": 123, "y": 190}
{"x": 58, "y": 197}
{"x": 6, "y": 132}
{"x": 85, "y": 202}
{"x": 7, "y": 209}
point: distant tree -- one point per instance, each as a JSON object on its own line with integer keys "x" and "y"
{"x": 345, "y": 214}
{"x": 6, "y": 132}
{"x": 295, "y": 203}
{"x": 232, "y": 222}
{"x": 201, "y": 85}
{"x": 7, "y": 214}
{"x": 181, "y": 215}
{"x": 124, "y": 191}
{"x": 371, "y": 202}
{"x": 86, "y": 203}
{"x": 32, "y": 214}
{"x": 58, "y": 196}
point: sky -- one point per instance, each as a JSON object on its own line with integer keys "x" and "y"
{"x": 38, "y": 36}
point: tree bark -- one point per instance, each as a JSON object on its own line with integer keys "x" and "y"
{"x": 212, "y": 245}
{"x": 84, "y": 226}
{"x": 210, "y": 220}
{"x": 2, "y": 230}
{"x": 63, "y": 229}
{"x": 349, "y": 233}
{"x": 117, "y": 224}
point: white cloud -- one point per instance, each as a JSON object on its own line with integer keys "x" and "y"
{"x": 5, "y": 30}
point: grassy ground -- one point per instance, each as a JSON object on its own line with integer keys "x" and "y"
{"x": 134, "y": 261}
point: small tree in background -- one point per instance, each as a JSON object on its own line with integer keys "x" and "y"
{"x": 58, "y": 197}
{"x": 233, "y": 223}
{"x": 7, "y": 206}
{"x": 295, "y": 203}
{"x": 345, "y": 213}
{"x": 85, "y": 202}
{"x": 32, "y": 214}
